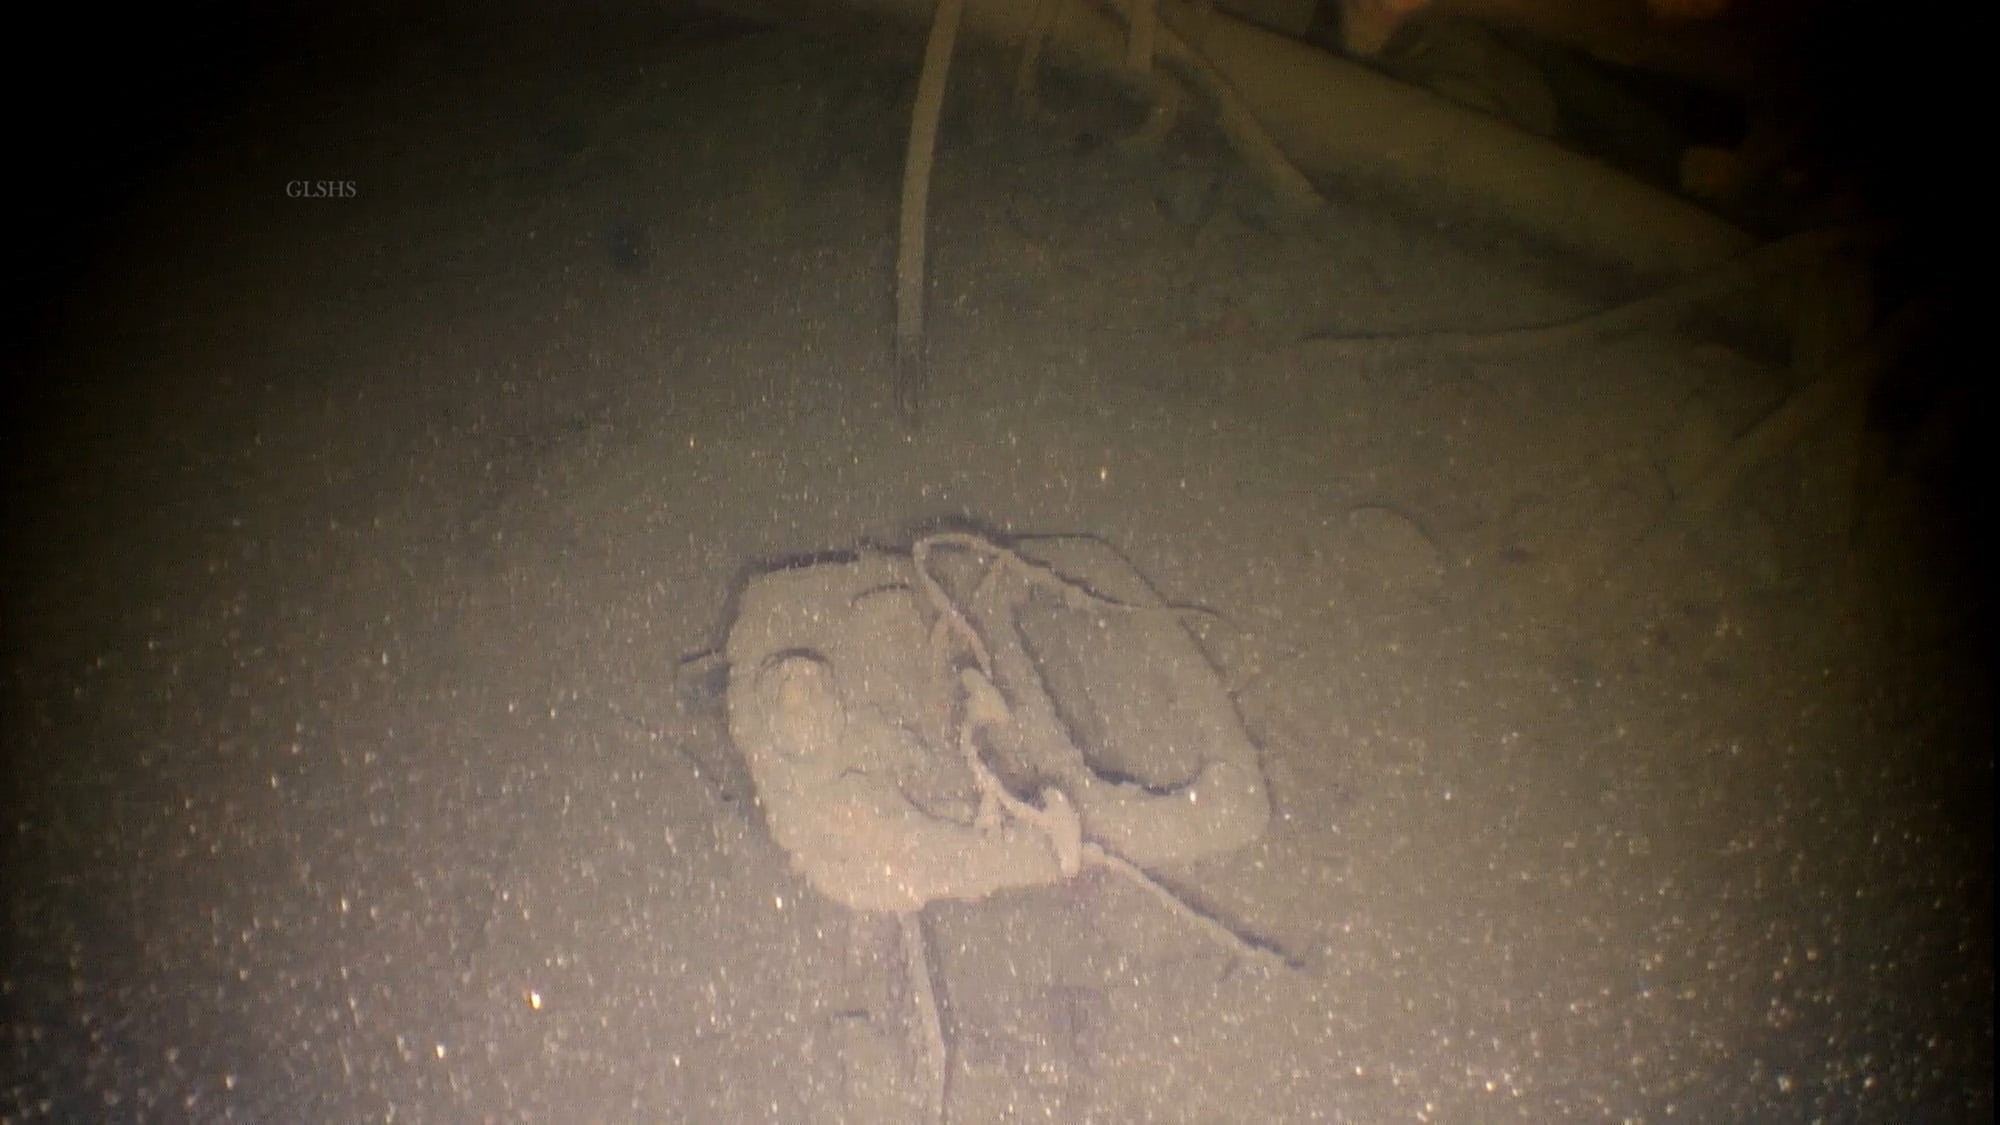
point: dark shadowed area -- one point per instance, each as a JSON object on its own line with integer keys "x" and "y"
{"x": 400, "y": 402}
